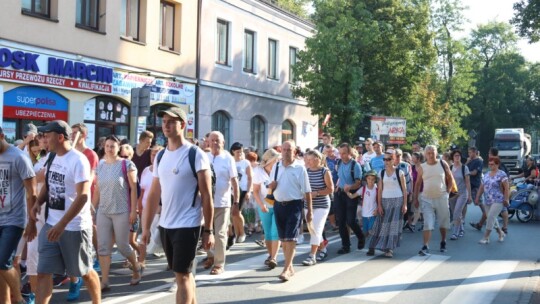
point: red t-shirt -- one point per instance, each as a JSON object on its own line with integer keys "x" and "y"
{"x": 93, "y": 159}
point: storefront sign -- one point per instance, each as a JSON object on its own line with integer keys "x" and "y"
{"x": 391, "y": 130}
{"x": 35, "y": 103}
{"x": 26, "y": 67}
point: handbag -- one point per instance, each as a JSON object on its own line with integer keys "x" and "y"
{"x": 269, "y": 199}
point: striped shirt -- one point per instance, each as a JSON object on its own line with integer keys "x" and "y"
{"x": 316, "y": 180}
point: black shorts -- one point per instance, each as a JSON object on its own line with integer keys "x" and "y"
{"x": 242, "y": 199}
{"x": 180, "y": 246}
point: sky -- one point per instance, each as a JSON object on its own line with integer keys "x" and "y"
{"x": 482, "y": 11}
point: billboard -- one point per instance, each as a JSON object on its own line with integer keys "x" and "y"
{"x": 390, "y": 130}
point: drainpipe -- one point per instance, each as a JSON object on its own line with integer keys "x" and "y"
{"x": 198, "y": 68}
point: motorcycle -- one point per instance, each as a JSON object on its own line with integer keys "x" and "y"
{"x": 523, "y": 201}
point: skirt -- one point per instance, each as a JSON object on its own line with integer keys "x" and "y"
{"x": 388, "y": 227}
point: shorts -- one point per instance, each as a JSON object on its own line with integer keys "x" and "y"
{"x": 435, "y": 207}
{"x": 72, "y": 253}
{"x": 180, "y": 246}
{"x": 288, "y": 219}
{"x": 242, "y": 200}
{"x": 9, "y": 239}
{"x": 367, "y": 223}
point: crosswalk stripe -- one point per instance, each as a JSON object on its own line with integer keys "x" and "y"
{"x": 483, "y": 285}
{"x": 390, "y": 283}
{"x": 306, "y": 277}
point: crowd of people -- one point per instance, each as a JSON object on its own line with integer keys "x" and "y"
{"x": 65, "y": 206}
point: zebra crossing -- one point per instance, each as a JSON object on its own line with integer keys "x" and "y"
{"x": 404, "y": 277}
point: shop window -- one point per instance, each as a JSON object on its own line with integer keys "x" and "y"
{"x": 36, "y": 7}
{"x": 272, "y": 59}
{"x": 131, "y": 19}
{"x": 287, "y": 131}
{"x": 90, "y": 14}
{"x": 169, "y": 20}
{"x": 222, "y": 42}
{"x": 249, "y": 51}
{"x": 221, "y": 123}
{"x": 258, "y": 133}
{"x": 105, "y": 116}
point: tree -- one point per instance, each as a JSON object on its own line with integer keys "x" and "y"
{"x": 297, "y": 7}
{"x": 366, "y": 57}
{"x": 527, "y": 19}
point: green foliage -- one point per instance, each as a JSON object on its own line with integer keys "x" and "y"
{"x": 297, "y": 7}
{"x": 527, "y": 19}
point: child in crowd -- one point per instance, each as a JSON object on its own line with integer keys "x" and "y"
{"x": 368, "y": 193}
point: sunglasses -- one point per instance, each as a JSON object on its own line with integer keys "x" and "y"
{"x": 387, "y": 159}
{"x": 123, "y": 156}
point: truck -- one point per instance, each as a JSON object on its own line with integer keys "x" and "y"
{"x": 513, "y": 145}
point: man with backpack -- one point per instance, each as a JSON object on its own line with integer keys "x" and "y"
{"x": 350, "y": 180}
{"x": 185, "y": 199}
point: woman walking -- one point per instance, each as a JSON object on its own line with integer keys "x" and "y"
{"x": 462, "y": 177}
{"x": 116, "y": 196}
{"x": 261, "y": 179}
{"x": 391, "y": 206}
{"x": 321, "y": 183}
{"x": 495, "y": 189}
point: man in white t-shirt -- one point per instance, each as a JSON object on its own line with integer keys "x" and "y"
{"x": 370, "y": 153}
{"x": 65, "y": 241}
{"x": 226, "y": 179}
{"x": 185, "y": 200}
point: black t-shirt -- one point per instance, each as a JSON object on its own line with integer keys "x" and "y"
{"x": 527, "y": 171}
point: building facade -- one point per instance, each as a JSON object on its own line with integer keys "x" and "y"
{"x": 247, "y": 50}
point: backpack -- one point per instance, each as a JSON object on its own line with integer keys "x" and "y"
{"x": 191, "y": 158}
{"x": 353, "y": 164}
{"x": 48, "y": 164}
{"x": 364, "y": 193}
{"x": 406, "y": 172}
{"x": 398, "y": 179}
{"x": 462, "y": 169}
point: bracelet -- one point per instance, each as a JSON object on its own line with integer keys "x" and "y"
{"x": 209, "y": 231}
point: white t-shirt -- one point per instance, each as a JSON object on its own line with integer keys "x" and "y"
{"x": 369, "y": 201}
{"x": 66, "y": 172}
{"x": 241, "y": 167}
{"x": 260, "y": 177}
{"x": 146, "y": 183}
{"x": 225, "y": 169}
{"x": 178, "y": 187}
{"x": 292, "y": 182}
{"x": 368, "y": 156}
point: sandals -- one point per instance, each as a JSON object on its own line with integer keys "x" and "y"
{"x": 285, "y": 276}
{"x": 208, "y": 263}
{"x": 272, "y": 263}
{"x": 389, "y": 254}
{"x": 261, "y": 243}
{"x": 216, "y": 270}
{"x": 322, "y": 256}
{"x": 140, "y": 271}
{"x": 126, "y": 264}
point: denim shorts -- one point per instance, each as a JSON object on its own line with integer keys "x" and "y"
{"x": 367, "y": 223}
{"x": 288, "y": 219}
{"x": 9, "y": 239}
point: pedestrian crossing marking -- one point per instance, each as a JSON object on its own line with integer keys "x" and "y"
{"x": 483, "y": 285}
{"x": 397, "y": 279}
{"x": 306, "y": 277}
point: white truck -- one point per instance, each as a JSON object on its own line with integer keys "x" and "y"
{"x": 513, "y": 144}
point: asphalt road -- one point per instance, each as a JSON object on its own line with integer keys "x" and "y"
{"x": 468, "y": 272}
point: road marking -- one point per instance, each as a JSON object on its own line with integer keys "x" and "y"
{"x": 318, "y": 273}
{"x": 483, "y": 285}
{"x": 390, "y": 283}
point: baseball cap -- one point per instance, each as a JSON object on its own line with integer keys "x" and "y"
{"x": 56, "y": 126}
{"x": 174, "y": 112}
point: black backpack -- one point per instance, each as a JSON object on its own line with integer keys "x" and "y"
{"x": 191, "y": 157}
{"x": 462, "y": 169}
{"x": 353, "y": 164}
{"x": 398, "y": 179}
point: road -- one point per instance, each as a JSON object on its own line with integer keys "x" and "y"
{"x": 468, "y": 272}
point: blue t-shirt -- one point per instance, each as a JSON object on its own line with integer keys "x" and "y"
{"x": 377, "y": 163}
{"x": 476, "y": 164}
{"x": 331, "y": 163}
{"x": 344, "y": 173}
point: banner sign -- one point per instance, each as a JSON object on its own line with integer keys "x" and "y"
{"x": 35, "y": 103}
{"x": 391, "y": 130}
{"x": 40, "y": 69}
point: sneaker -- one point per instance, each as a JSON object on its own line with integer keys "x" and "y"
{"x": 453, "y": 237}
{"x": 461, "y": 233}
{"x": 483, "y": 241}
{"x": 424, "y": 251}
{"x": 96, "y": 266}
{"x": 370, "y": 252}
{"x": 344, "y": 250}
{"x": 361, "y": 243}
{"x": 476, "y": 226}
{"x": 59, "y": 280}
{"x": 408, "y": 227}
{"x": 501, "y": 237}
{"x": 322, "y": 255}
{"x": 74, "y": 290}
{"x": 26, "y": 290}
{"x": 310, "y": 261}
{"x": 443, "y": 246}
{"x": 241, "y": 238}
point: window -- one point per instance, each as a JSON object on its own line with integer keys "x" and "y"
{"x": 249, "y": 51}
{"x": 166, "y": 30}
{"x": 272, "y": 59}
{"x": 292, "y": 62}
{"x": 36, "y": 7}
{"x": 221, "y": 123}
{"x": 105, "y": 116}
{"x": 88, "y": 14}
{"x": 287, "y": 131}
{"x": 222, "y": 43}
{"x": 258, "y": 133}
{"x": 130, "y": 19}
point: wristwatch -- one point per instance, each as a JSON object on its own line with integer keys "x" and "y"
{"x": 209, "y": 231}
